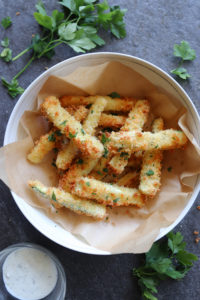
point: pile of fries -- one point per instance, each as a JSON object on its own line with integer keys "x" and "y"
{"x": 103, "y": 156}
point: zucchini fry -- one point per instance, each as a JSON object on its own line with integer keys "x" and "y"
{"x": 66, "y": 156}
{"x": 116, "y": 104}
{"x": 82, "y": 167}
{"x": 135, "y": 140}
{"x": 44, "y": 145}
{"x": 73, "y": 129}
{"x": 151, "y": 166}
{"x": 108, "y": 120}
{"x": 135, "y": 121}
{"x": 77, "y": 205}
{"x": 108, "y": 194}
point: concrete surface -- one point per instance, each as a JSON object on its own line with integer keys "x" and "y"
{"x": 153, "y": 26}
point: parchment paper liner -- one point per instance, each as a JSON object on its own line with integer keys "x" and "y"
{"x": 128, "y": 230}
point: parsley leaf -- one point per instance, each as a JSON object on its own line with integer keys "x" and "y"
{"x": 51, "y": 137}
{"x": 71, "y": 135}
{"x": 184, "y": 51}
{"x": 181, "y": 72}
{"x": 6, "y": 22}
{"x": 5, "y": 42}
{"x": 165, "y": 259}
{"x": 6, "y": 54}
{"x": 13, "y": 87}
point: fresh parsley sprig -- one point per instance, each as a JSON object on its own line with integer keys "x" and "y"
{"x": 184, "y": 52}
{"x": 167, "y": 259}
{"x": 76, "y": 27}
{"x": 6, "y": 53}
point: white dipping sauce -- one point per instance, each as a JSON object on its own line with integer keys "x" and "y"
{"x": 29, "y": 274}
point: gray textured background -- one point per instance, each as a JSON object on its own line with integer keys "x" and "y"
{"x": 152, "y": 29}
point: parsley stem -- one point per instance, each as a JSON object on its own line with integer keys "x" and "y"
{"x": 21, "y": 53}
{"x": 48, "y": 49}
{"x": 24, "y": 68}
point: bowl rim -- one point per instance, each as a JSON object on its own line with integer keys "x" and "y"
{"x": 108, "y": 55}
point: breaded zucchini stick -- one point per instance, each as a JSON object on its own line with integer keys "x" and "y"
{"x": 135, "y": 140}
{"x": 108, "y": 120}
{"x": 101, "y": 170}
{"x": 151, "y": 166}
{"x": 128, "y": 179}
{"x": 116, "y": 104}
{"x": 73, "y": 129}
{"x": 44, "y": 145}
{"x": 77, "y": 205}
{"x": 66, "y": 156}
{"x": 112, "y": 195}
{"x": 135, "y": 121}
{"x": 82, "y": 167}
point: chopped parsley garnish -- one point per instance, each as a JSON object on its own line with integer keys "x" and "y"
{"x": 63, "y": 123}
{"x": 35, "y": 188}
{"x": 105, "y": 170}
{"x": 169, "y": 169}
{"x": 124, "y": 154}
{"x": 53, "y": 197}
{"x": 114, "y": 95}
{"x": 51, "y": 137}
{"x": 104, "y": 139}
{"x": 94, "y": 194}
{"x": 105, "y": 152}
{"x": 79, "y": 161}
{"x": 58, "y": 133}
{"x": 82, "y": 130}
{"x": 98, "y": 172}
{"x": 92, "y": 111}
{"x": 71, "y": 135}
{"x": 116, "y": 200}
{"x": 87, "y": 183}
{"x": 55, "y": 150}
{"x": 150, "y": 172}
{"x": 156, "y": 147}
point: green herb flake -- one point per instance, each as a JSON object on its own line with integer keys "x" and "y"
{"x": 169, "y": 169}
{"x": 55, "y": 150}
{"x": 71, "y": 135}
{"x": 114, "y": 95}
{"x": 58, "y": 133}
{"x": 104, "y": 139}
{"x": 79, "y": 161}
{"x": 63, "y": 123}
{"x": 105, "y": 154}
{"x": 51, "y": 137}
{"x": 53, "y": 197}
{"x": 82, "y": 131}
{"x": 156, "y": 147}
{"x": 124, "y": 154}
{"x": 6, "y": 22}
{"x": 94, "y": 194}
{"x": 98, "y": 172}
{"x": 35, "y": 188}
{"x": 107, "y": 197}
{"x": 116, "y": 200}
{"x": 105, "y": 170}
{"x": 150, "y": 172}
{"x": 92, "y": 111}
{"x": 87, "y": 183}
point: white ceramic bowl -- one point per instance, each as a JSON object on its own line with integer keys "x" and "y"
{"x": 158, "y": 77}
